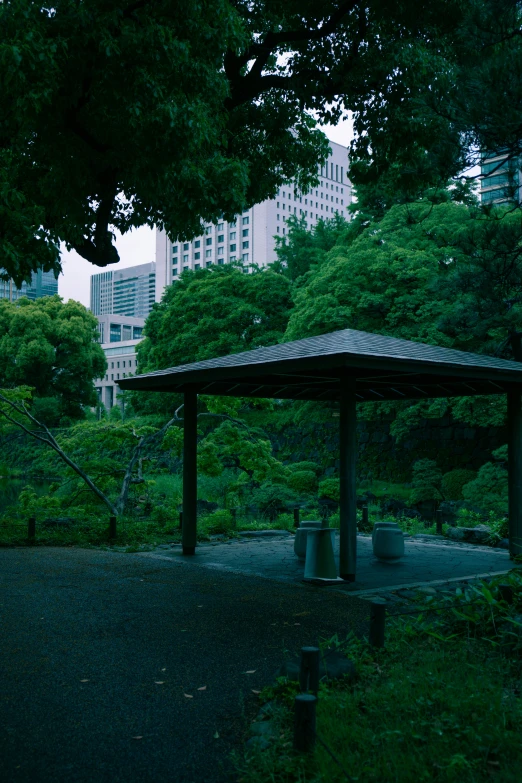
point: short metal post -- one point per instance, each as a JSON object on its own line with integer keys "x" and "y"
{"x": 112, "y": 527}
{"x": 31, "y": 529}
{"x": 297, "y": 521}
{"x": 309, "y": 670}
{"x": 377, "y": 624}
{"x": 506, "y": 593}
{"x": 181, "y": 520}
{"x": 438, "y": 522}
{"x": 233, "y": 512}
{"x": 304, "y": 722}
{"x": 365, "y": 517}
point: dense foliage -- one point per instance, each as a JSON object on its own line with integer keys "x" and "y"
{"x": 171, "y": 113}
{"x": 51, "y": 346}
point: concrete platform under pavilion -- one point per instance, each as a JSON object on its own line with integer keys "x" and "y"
{"x": 345, "y": 367}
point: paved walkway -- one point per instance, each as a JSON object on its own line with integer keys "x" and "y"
{"x": 121, "y": 668}
{"x": 423, "y": 562}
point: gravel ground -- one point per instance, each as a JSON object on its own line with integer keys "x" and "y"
{"x": 100, "y": 651}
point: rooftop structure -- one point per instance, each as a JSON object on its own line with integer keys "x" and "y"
{"x": 249, "y": 238}
{"x": 129, "y": 292}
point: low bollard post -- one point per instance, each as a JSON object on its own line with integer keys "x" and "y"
{"x": 365, "y": 517}
{"x": 112, "y": 528}
{"x": 309, "y": 669}
{"x": 181, "y": 520}
{"x": 377, "y": 624}
{"x": 506, "y": 593}
{"x": 31, "y": 529}
{"x": 438, "y": 517}
{"x": 297, "y": 521}
{"x": 304, "y": 722}
{"x": 233, "y": 511}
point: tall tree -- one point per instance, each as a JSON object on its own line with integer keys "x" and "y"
{"x": 135, "y": 112}
{"x": 51, "y": 346}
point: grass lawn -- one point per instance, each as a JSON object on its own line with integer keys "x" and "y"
{"x": 442, "y": 702}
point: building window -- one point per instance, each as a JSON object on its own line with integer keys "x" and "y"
{"x": 185, "y": 268}
{"x": 186, "y": 246}
{"x": 175, "y": 260}
{"x": 112, "y": 365}
{"x": 112, "y": 376}
{"x": 185, "y": 258}
{"x": 278, "y": 204}
{"x": 284, "y": 194}
{"x": 245, "y": 256}
{"x": 197, "y": 256}
{"x": 127, "y": 333}
{"x": 221, "y": 261}
{"x": 197, "y": 266}
{"x": 137, "y": 332}
{"x": 208, "y": 229}
{"x": 342, "y": 202}
{"x": 220, "y": 227}
{"x": 174, "y": 270}
{"x": 284, "y": 206}
{"x": 115, "y": 333}
{"x": 278, "y": 216}
{"x": 124, "y": 363}
{"x": 208, "y": 241}
{"x": 208, "y": 253}
{"x": 245, "y": 232}
{"x": 209, "y": 263}
{"x": 245, "y": 245}
{"x": 245, "y": 221}
{"x": 221, "y": 238}
{"x": 221, "y": 251}
{"x": 284, "y": 230}
{"x": 174, "y": 250}
{"x": 295, "y": 210}
{"x": 232, "y": 248}
{"x": 232, "y": 258}
{"x": 197, "y": 243}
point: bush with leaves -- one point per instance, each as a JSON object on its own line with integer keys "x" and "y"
{"x": 304, "y": 482}
{"x": 330, "y": 489}
{"x": 489, "y": 490}
{"x": 273, "y": 499}
{"x": 453, "y": 482}
{"x": 426, "y": 482}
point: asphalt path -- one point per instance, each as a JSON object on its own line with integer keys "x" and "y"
{"x": 118, "y": 667}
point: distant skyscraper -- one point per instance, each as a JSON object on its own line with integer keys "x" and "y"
{"x": 42, "y": 284}
{"x": 250, "y": 237}
{"x": 129, "y": 292}
{"x": 500, "y": 179}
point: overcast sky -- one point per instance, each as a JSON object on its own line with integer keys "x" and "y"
{"x": 137, "y": 247}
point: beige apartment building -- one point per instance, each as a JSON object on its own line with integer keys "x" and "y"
{"x": 250, "y": 237}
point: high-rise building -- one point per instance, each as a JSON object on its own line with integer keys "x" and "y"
{"x": 130, "y": 292}
{"x": 42, "y": 284}
{"x": 119, "y": 336}
{"x": 250, "y": 237}
{"x": 500, "y": 179}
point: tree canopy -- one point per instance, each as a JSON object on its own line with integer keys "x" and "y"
{"x": 170, "y": 113}
{"x": 51, "y": 346}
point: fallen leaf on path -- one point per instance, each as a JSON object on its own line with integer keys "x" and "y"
{"x": 137, "y": 738}
{"x": 216, "y": 735}
{"x": 301, "y": 614}
{"x": 159, "y": 682}
{"x": 164, "y": 670}
{"x": 251, "y": 671}
{"x": 84, "y": 680}
{"x": 188, "y": 696}
{"x": 203, "y": 688}
{"x": 297, "y": 623}
{"x": 256, "y": 692}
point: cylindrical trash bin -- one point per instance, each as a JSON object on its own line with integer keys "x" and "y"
{"x": 383, "y": 526}
{"x": 388, "y": 544}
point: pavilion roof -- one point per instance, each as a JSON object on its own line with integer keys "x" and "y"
{"x": 309, "y": 369}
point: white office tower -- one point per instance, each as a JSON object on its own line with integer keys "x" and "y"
{"x": 128, "y": 291}
{"x": 250, "y": 237}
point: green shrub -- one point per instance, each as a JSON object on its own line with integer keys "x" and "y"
{"x": 453, "y": 482}
{"x": 303, "y": 481}
{"x": 426, "y": 481}
{"x": 220, "y": 521}
{"x": 489, "y": 490}
{"x": 305, "y": 465}
{"x": 330, "y": 488}
{"x": 273, "y": 499}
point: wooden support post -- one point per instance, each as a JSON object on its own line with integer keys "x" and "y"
{"x": 348, "y": 496}
{"x": 31, "y": 529}
{"x": 297, "y": 521}
{"x": 190, "y": 472}
{"x": 515, "y": 473}
{"x": 438, "y": 515}
{"x": 233, "y": 512}
{"x": 377, "y": 624}
{"x": 304, "y": 722}
{"x": 365, "y": 519}
{"x": 112, "y": 528}
{"x": 309, "y": 669}
{"x": 181, "y": 520}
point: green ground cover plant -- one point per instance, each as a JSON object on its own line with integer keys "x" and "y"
{"x": 441, "y": 702}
